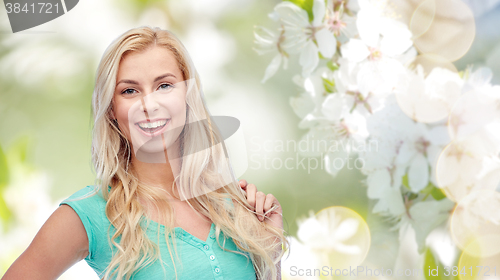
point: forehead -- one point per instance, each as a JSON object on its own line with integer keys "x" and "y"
{"x": 154, "y": 61}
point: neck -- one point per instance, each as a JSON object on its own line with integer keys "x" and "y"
{"x": 157, "y": 170}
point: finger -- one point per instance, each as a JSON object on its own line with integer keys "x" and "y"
{"x": 275, "y": 208}
{"x": 259, "y": 205}
{"x": 243, "y": 183}
{"x": 270, "y": 202}
{"x": 251, "y": 190}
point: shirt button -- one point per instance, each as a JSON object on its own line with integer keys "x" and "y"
{"x": 212, "y": 257}
{"x": 217, "y": 270}
{"x": 206, "y": 247}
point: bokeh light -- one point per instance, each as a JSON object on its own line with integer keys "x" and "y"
{"x": 443, "y": 27}
{"x": 475, "y": 223}
{"x": 338, "y": 235}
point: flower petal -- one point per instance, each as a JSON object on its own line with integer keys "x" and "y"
{"x": 368, "y": 27}
{"x": 274, "y": 16}
{"x": 396, "y": 37}
{"x": 390, "y": 203}
{"x": 272, "y": 68}
{"x": 327, "y": 43}
{"x": 354, "y": 50}
{"x": 378, "y": 183}
{"x": 334, "y": 107}
{"x": 291, "y": 14}
{"x": 318, "y": 12}
{"x": 418, "y": 174}
{"x": 347, "y": 249}
{"x": 426, "y": 216}
{"x": 309, "y": 229}
{"x": 346, "y": 229}
{"x": 406, "y": 153}
{"x": 309, "y": 58}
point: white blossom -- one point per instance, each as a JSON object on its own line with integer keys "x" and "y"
{"x": 329, "y": 232}
{"x": 303, "y": 33}
{"x": 430, "y": 99}
{"x": 271, "y": 42}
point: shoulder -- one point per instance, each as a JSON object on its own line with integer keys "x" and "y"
{"x": 86, "y": 192}
{"x": 89, "y": 204}
{"x": 87, "y": 197}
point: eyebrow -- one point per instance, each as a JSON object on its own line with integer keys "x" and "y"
{"x": 155, "y": 80}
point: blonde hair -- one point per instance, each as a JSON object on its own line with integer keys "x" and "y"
{"x": 111, "y": 155}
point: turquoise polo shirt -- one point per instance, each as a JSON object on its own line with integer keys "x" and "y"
{"x": 199, "y": 259}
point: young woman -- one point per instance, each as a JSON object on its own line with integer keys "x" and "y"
{"x": 166, "y": 203}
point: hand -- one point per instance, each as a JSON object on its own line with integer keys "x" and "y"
{"x": 262, "y": 204}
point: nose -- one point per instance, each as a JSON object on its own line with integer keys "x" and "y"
{"x": 149, "y": 104}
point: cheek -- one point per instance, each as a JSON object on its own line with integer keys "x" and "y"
{"x": 122, "y": 115}
{"x": 177, "y": 107}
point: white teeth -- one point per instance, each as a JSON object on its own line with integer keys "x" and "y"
{"x": 153, "y": 124}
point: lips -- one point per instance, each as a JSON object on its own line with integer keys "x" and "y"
{"x": 152, "y": 128}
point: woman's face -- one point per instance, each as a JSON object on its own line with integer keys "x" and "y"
{"x": 149, "y": 101}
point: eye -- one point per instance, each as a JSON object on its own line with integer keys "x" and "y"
{"x": 128, "y": 91}
{"x": 165, "y": 86}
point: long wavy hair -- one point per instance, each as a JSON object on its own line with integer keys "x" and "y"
{"x": 111, "y": 158}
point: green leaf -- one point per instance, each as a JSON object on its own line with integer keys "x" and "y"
{"x": 405, "y": 181}
{"x": 5, "y": 213}
{"x": 412, "y": 196}
{"x": 329, "y": 85}
{"x": 332, "y": 66}
{"x": 306, "y": 5}
{"x": 431, "y": 266}
{"x": 437, "y": 193}
{"x": 427, "y": 189}
{"x": 4, "y": 170}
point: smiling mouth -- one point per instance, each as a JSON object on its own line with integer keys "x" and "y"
{"x": 152, "y": 127}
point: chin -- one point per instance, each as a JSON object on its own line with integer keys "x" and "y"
{"x": 154, "y": 152}
{"x": 151, "y": 155}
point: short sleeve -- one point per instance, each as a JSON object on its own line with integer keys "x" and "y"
{"x": 84, "y": 203}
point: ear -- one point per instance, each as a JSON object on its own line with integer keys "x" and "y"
{"x": 111, "y": 112}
